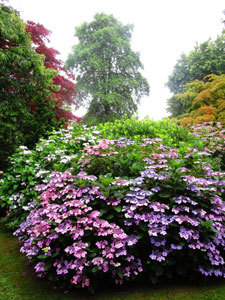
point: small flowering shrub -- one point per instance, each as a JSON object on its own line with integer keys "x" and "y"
{"x": 166, "y": 219}
{"x": 121, "y": 209}
{"x": 122, "y": 157}
{"x": 29, "y": 168}
{"x": 61, "y": 152}
{"x": 172, "y": 134}
{"x": 176, "y": 203}
{"x": 70, "y": 242}
{"x": 213, "y": 138}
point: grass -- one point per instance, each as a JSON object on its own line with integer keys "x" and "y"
{"x": 19, "y": 282}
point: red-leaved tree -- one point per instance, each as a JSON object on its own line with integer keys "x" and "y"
{"x": 66, "y": 93}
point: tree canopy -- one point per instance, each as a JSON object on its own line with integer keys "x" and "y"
{"x": 206, "y": 58}
{"x": 66, "y": 92}
{"x": 108, "y": 77}
{"x": 203, "y": 101}
{"x": 27, "y": 89}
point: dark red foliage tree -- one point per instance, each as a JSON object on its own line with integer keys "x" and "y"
{"x": 66, "y": 92}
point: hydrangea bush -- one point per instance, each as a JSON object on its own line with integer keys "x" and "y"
{"x": 61, "y": 151}
{"x": 172, "y": 134}
{"x": 176, "y": 203}
{"x": 213, "y": 138}
{"x": 30, "y": 168}
{"x": 127, "y": 209}
{"x": 68, "y": 240}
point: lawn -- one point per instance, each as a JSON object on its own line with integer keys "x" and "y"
{"x": 19, "y": 282}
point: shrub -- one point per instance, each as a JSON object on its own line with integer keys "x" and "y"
{"x": 68, "y": 240}
{"x": 172, "y": 134}
{"x": 61, "y": 152}
{"x": 125, "y": 208}
{"x": 169, "y": 214}
{"x": 212, "y": 136}
{"x": 30, "y": 168}
{"x": 27, "y": 105}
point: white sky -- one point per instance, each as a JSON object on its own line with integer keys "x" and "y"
{"x": 163, "y": 29}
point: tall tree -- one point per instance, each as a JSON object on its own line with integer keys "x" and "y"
{"x": 206, "y": 58}
{"x": 108, "y": 77}
{"x": 66, "y": 92}
{"x": 203, "y": 101}
{"x": 27, "y": 103}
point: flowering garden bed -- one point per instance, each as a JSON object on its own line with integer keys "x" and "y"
{"x": 88, "y": 205}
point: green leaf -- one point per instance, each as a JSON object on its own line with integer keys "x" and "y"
{"x": 110, "y": 217}
{"x": 120, "y": 274}
{"x": 143, "y": 227}
{"x": 92, "y": 255}
{"x": 139, "y": 236}
{"x": 118, "y": 208}
{"x": 55, "y": 254}
{"x": 165, "y": 195}
{"x": 42, "y": 256}
{"x": 95, "y": 269}
{"x": 103, "y": 211}
{"x": 207, "y": 224}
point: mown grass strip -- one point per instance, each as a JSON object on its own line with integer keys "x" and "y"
{"x": 19, "y": 282}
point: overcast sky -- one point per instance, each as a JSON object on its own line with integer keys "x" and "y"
{"x": 163, "y": 29}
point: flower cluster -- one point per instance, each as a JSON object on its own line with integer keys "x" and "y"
{"x": 67, "y": 238}
{"x": 30, "y": 168}
{"x": 120, "y": 157}
{"x": 120, "y": 207}
{"x": 171, "y": 210}
{"x": 213, "y": 138}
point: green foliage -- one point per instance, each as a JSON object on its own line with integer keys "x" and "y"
{"x": 118, "y": 208}
{"x": 201, "y": 102}
{"x": 172, "y": 134}
{"x": 212, "y": 136}
{"x": 206, "y": 58}
{"x": 17, "y": 281}
{"x": 29, "y": 168}
{"x": 61, "y": 152}
{"x": 108, "y": 79}
{"x": 26, "y": 106}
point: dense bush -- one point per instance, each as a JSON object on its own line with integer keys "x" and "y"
{"x": 30, "y": 168}
{"x": 212, "y": 136}
{"x": 123, "y": 208}
{"x": 69, "y": 241}
{"x": 172, "y": 134}
{"x": 36, "y": 91}
{"x": 202, "y": 101}
{"x": 27, "y": 105}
